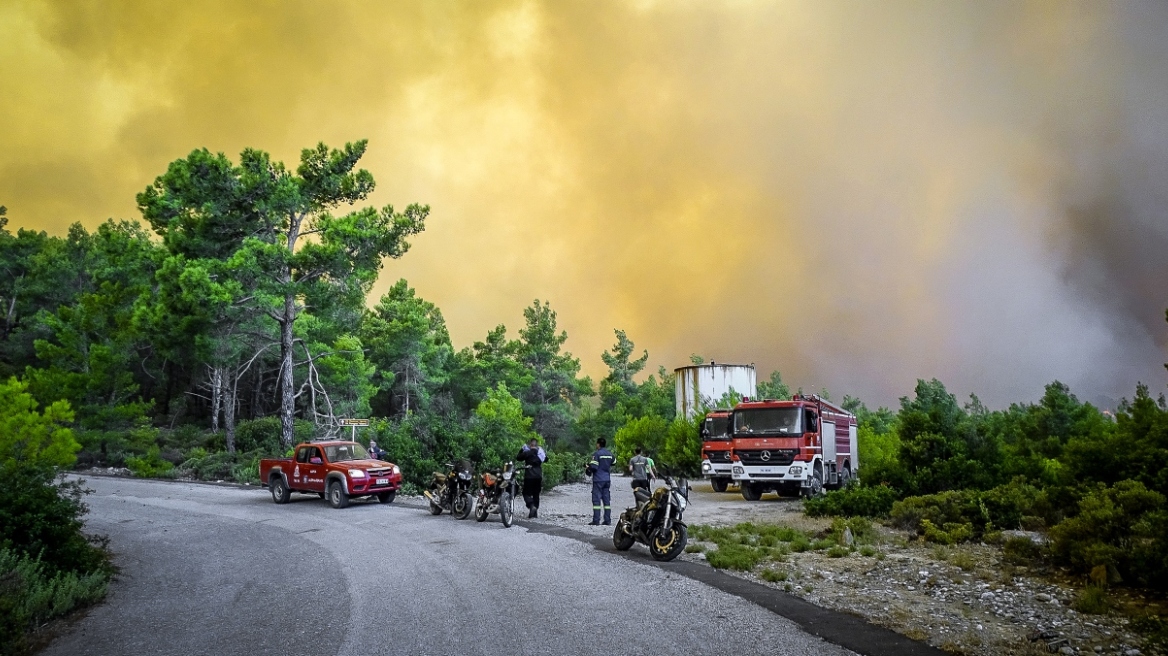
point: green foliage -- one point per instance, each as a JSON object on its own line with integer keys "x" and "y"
{"x": 646, "y": 432}
{"x": 498, "y": 429}
{"x": 32, "y": 594}
{"x": 738, "y": 557}
{"x": 1022, "y": 550}
{"x": 773, "y": 575}
{"x": 564, "y": 467}
{"x": 1092, "y": 600}
{"x": 28, "y": 436}
{"x": 411, "y": 354}
{"x": 41, "y": 518}
{"x": 263, "y": 435}
{"x": 774, "y": 388}
{"x": 1124, "y": 526}
{"x": 838, "y": 551}
{"x": 681, "y": 450}
{"x": 856, "y": 500}
{"x": 949, "y": 533}
{"x": 554, "y": 390}
{"x": 150, "y": 465}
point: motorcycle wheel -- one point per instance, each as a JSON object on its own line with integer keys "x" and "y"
{"x": 666, "y": 544}
{"x": 507, "y": 509}
{"x": 462, "y": 506}
{"x": 481, "y": 508}
{"x": 621, "y": 540}
{"x": 435, "y": 508}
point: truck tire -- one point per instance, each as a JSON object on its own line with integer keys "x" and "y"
{"x": 845, "y": 477}
{"x": 280, "y": 491}
{"x": 387, "y": 497}
{"x": 816, "y": 488}
{"x": 719, "y": 484}
{"x": 337, "y": 496}
{"x": 750, "y": 492}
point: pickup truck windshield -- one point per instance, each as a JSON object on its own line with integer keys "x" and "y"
{"x": 716, "y": 428}
{"x": 344, "y": 452}
{"x": 768, "y": 421}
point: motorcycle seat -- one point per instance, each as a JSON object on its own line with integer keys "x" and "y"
{"x": 641, "y": 495}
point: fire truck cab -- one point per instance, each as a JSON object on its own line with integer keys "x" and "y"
{"x": 801, "y": 446}
{"x": 716, "y": 448}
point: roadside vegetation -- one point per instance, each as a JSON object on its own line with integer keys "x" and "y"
{"x": 48, "y": 566}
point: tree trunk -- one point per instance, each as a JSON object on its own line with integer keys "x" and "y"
{"x": 287, "y": 390}
{"x": 216, "y": 396}
{"x": 230, "y": 393}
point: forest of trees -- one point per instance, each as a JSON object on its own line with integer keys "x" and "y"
{"x": 235, "y": 320}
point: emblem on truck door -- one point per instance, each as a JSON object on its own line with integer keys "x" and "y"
{"x": 765, "y": 456}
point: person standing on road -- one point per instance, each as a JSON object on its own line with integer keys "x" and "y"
{"x": 599, "y": 468}
{"x": 651, "y": 468}
{"x": 639, "y": 466}
{"x": 533, "y": 456}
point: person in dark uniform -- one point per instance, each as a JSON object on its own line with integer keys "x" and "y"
{"x": 599, "y": 468}
{"x": 533, "y": 456}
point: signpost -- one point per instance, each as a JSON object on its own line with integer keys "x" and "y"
{"x": 353, "y": 424}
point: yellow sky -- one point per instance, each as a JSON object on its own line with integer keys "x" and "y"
{"x": 857, "y": 194}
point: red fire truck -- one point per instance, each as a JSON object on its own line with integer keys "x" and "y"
{"x": 716, "y": 448}
{"x": 801, "y": 446}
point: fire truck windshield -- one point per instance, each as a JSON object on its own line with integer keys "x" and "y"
{"x": 716, "y": 428}
{"x": 768, "y": 421}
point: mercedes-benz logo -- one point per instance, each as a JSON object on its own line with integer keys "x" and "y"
{"x": 766, "y": 456}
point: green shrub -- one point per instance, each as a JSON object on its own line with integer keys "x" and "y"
{"x": 853, "y": 501}
{"x": 150, "y": 465}
{"x": 734, "y": 556}
{"x": 862, "y": 530}
{"x": 773, "y": 575}
{"x": 1124, "y": 526}
{"x": 838, "y": 551}
{"x": 261, "y": 434}
{"x": 210, "y": 467}
{"x": 1092, "y": 600}
{"x": 41, "y": 518}
{"x": 695, "y": 548}
{"x": 31, "y": 594}
{"x": 950, "y": 533}
{"x": 867, "y": 551}
{"x": 1021, "y": 551}
{"x": 563, "y": 467}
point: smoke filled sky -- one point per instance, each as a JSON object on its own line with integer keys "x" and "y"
{"x": 856, "y": 194}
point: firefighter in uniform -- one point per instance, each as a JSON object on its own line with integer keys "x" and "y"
{"x": 599, "y": 468}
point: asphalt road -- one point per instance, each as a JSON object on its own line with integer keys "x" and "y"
{"x": 222, "y": 570}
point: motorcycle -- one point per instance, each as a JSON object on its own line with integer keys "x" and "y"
{"x": 451, "y": 491}
{"x": 656, "y": 521}
{"x": 497, "y": 495}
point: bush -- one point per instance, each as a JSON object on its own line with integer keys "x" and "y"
{"x": 41, "y": 518}
{"x": 734, "y": 556}
{"x": 773, "y": 575}
{"x": 211, "y": 466}
{"x": 563, "y": 467}
{"x": 30, "y": 595}
{"x": 853, "y": 501}
{"x": 1092, "y": 600}
{"x": 261, "y": 434}
{"x": 1124, "y": 526}
{"x": 150, "y": 465}
{"x": 949, "y": 533}
{"x": 1022, "y": 551}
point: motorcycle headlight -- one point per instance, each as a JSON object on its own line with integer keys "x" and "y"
{"x": 464, "y": 475}
{"x": 507, "y": 475}
{"x": 679, "y": 501}
{"x": 356, "y": 473}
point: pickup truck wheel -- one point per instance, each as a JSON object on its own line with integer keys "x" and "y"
{"x": 280, "y": 491}
{"x": 387, "y": 497}
{"x": 719, "y": 484}
{"x": 337, "y": 496}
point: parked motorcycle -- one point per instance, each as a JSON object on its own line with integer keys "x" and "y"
{"x": 497, "y": 495}
{"x": 451, "y": 491}
{"x": 656, "y": 521}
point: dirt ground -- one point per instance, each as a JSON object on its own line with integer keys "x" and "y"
{"x": 963, "y": 599}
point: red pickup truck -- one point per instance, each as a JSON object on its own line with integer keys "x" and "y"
{"x": 336, "y": 469}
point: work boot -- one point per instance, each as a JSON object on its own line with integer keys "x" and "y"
{"x": 533, "y": 513}
{"x": 594, "y": 523}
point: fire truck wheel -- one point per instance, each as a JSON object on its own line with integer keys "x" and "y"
{"x": 751, "y": 492}
{"x": 337, "y": 496}
{"x": 280, "y": 491}
{"x": 845, "y": 477}
{"x": 719, "y": 484}
{"x": 816, "y": 487}
{"x": 387, "y": 497}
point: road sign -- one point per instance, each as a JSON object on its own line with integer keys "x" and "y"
{"x": 354, "y": 422}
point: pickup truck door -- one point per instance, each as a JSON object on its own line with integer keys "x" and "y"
{"x": 308, "y": 470}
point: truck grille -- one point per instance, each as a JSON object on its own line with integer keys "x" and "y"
{"x": 776, "y": 457}
{"x": 379, "y": 472}
{"x": 718, "y": 456}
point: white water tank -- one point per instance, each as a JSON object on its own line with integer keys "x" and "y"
{"x": 704, "y": 385}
